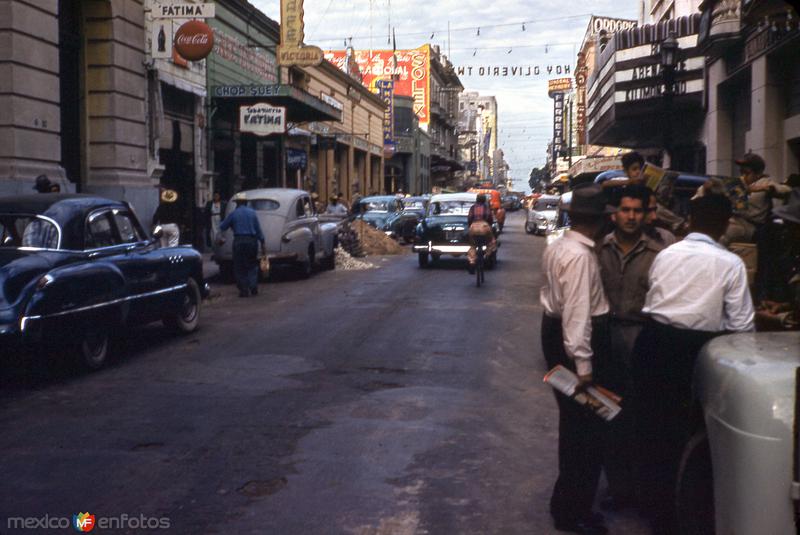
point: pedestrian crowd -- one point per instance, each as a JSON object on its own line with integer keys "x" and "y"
{"x": 628, "y": 306}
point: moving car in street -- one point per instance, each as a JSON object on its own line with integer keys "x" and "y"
{"x": 294, "y": 234}
{"x": 444, "y": 230}
{"x": 76, "y": 268}
{"x": 404, "y": 227}
{"x": 740, "y": 472}
{"x": 496, "y": 204}
{"x": 541, "y": 218}
{"x": 380, "y": 212}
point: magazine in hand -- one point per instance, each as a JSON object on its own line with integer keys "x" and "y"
{"x": 602, "y": 402}
{"x": 660, "y": 181}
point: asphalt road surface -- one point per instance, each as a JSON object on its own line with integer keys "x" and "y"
{"x": 396, "y": 400}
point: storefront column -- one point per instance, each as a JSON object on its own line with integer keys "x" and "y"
{"x": 765, "y": 137}
{"x": 719, "y": 157}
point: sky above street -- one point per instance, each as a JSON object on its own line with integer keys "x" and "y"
{"x": 510, "y": 33}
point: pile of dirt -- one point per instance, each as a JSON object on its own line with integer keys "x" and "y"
{"x": 345, "y": 262}
{"x": 375, "y": 242}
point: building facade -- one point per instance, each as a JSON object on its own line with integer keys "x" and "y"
{"x": 478, "y": 135}
{"x": 409, "y": 167}
{"x": 445, "y": 88}
{"x": 74, "y": 98}
{"x": 753, "y": 83}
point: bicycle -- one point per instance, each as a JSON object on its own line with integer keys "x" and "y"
{"x": 480, "y": 250}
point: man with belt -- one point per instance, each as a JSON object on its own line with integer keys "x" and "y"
{"x": 246, "y": 235}
{"x": 625, "y": 257}
{"x": 574, "y": 334}
{"x": 698, "y": 290}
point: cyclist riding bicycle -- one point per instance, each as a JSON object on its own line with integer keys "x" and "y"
{"x": 480, "y": 230}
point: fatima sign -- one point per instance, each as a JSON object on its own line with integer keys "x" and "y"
{"x": 184, "y": 11}
{"x": 262, "y": 119}
{"x": 292, "y": 51}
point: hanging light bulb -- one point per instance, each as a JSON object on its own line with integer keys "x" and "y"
{"x": 479, "y": 32}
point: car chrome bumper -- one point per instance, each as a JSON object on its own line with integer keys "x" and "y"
{"x": 441, "y": 249}
{"x": 283, "y": 258}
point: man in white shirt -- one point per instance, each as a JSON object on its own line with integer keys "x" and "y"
{"x": 698, "y": 290}
{"x": 575, "y": 335}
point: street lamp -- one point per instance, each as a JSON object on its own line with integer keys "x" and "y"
{"x": 669, "y": 61}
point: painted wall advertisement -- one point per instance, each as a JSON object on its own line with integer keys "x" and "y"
{"x": 410, "y": 73}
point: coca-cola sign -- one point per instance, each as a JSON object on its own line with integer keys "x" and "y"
{"x": 194, "y": 40}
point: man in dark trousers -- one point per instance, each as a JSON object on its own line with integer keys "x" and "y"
{"x": 575, "y": 335}
{"x": 246, "y": 236}
{"x": 625, "y": 257}
{"x": 698, "y": 290}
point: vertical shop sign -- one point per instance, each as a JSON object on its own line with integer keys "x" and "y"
{"x": 385, "y": 90}
{"x": 558, "y": 124}
{"x": 292, "y": 51}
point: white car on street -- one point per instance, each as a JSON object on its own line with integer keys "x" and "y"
{"x": 292, "y": 229}
{"x": 541, "y": 217}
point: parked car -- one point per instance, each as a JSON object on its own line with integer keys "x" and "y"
{"x": 405, "y": 225}
{"x": 292, "y": 229}
{"x": 562, "y": 223}
{"x": 444, "y": 230}
{"x": 685, "y": 187}
{"x": 380, "y": 212}
{"x": 541, "y": 218}
{"x": 76, "y": 268}
{"x": 740, "y": 473}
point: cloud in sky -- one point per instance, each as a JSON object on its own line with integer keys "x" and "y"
{"x": 552, "y": 35}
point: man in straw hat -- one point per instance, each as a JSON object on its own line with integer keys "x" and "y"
{"x": 575, "y": 335}
{"x": 168, "y": 216}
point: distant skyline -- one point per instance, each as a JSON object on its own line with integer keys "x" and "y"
{"x": 513, "y": 33}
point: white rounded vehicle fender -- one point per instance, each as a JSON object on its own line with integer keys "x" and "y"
{"x": 298, "y": 241}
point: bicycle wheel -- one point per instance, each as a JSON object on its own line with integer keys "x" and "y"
{"x": 479, "y": 269}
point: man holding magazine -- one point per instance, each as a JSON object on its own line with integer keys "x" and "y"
{"x": 575, "y": 335}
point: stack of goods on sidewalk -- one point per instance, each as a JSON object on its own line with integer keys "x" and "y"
{"x": 349, "y": 242}
{"x": 345, "y": 262}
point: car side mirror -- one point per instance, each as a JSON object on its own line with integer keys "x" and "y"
{"x": 158, "y": 232}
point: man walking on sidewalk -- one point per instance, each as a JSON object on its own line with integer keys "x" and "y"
{"x": 246, "y": 235}
{"x": 574, "y": 334}
{"x": 698, "y": 290}
{"x": 625, "y": 258}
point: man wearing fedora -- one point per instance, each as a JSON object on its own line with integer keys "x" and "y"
{"x": 575, "y": 335}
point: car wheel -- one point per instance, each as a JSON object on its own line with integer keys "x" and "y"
{"x": 528, "y": 229}
{"x": 307, "y": 267}
{"x": 187, "y": 318}
{"x": 93, "y": 347}
{"x": 694, "y": 497}
{"x": 329, "y": 262}
{"x": 423, "y": 260}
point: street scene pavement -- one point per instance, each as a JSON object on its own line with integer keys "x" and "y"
{"x": 392, "y": 400}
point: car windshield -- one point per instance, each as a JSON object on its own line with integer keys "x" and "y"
{"x": 28, "y": 231}
{"x": 375, "y": 206}
{"x": 546, "y": 205}
{"x": 450, "y": 208}
{"x": 414, "y": 205}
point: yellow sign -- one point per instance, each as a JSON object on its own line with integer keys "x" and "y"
{"x": 292, "y": 51}
{"x": 559, "y": 85}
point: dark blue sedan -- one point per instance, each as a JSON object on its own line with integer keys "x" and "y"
{"x": 76, "y": 268}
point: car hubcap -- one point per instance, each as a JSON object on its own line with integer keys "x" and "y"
{"x": 189, "y": 308}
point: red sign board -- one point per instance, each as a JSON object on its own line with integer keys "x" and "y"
{"x": 411, "y": 73}
{"x": 194, "y": 40}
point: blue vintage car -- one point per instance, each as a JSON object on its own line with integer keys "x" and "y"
{"x": 380, "y": 211}
{"x": 76, "y": 268}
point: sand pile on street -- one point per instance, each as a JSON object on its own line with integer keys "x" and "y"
{"x": 345, "y": 262}
{"x": 375, "y": 242}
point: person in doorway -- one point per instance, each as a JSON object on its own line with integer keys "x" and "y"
{"x": 625, "y": 257}
{"x": 698, "y": 290}
{"x": 213, "y": 213}
{"x": 168, "y": 216}
{"x": 247, "y": 235}
{"x": 575, "y": 335}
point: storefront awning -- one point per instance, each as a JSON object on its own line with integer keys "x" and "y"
{"x": 595, "y": 165}
{"x": 301, "y": 107}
